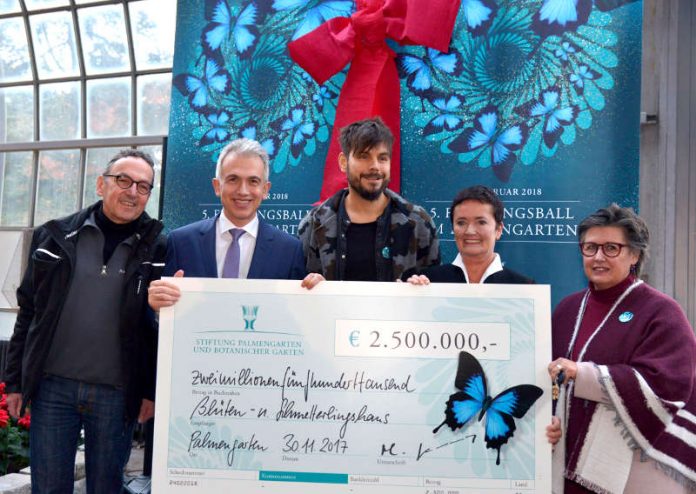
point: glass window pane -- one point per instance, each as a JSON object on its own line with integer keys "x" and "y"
{"x": 153, "y": 104}
{"x": 95, "y": 163}
{"x": 153, "y": 23}
{"x": 54, "y": 44}
{"x": 17, "y": 114}
{"x": 16, "y": 170}
{"x": 59, "y": 111}
{"x": 103, "y": 31}
{"x": 109, "y": 107}
{"x": 14, "y": 51}
{"x": 9, "y": 6}
{"x": 152, "y": 207}
{"x": 44, "y": 4}
{"x": 59, "y": 182}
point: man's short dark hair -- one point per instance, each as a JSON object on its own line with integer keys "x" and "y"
{"x": 365, "y": 134}
{"x": 131, "y": 153}
{"x": 482, "y": 194}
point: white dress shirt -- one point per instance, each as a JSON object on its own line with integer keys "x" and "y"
{"x": 495, "y": 266}
{"x": 247, "y": 243}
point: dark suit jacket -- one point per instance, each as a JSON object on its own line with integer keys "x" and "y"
{"x": 277, "y": 255}
{"x": 449, "y": 273}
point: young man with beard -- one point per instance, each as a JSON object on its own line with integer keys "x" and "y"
{"x": 366, "y": 232}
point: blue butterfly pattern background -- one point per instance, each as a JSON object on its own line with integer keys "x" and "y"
{"x": 272, "y": 99}
{"x": 535, "y": 73}
{"x": 536, "y": 95}
{"x": 522, "y": 78}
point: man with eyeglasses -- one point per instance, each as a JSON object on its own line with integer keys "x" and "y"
{"x": 83, "y": 350}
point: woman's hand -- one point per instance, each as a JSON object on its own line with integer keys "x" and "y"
{"x": 312, "y": 280}
{"x": 553, "y": 431}
{"x": 418, "y": 279}
{"x": 568, "y": 367}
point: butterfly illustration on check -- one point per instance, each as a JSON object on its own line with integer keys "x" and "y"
{"x": 473, "y": 399}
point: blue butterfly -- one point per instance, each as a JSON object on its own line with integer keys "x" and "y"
{"x": 555, "y": 116}
{"x": 215, "y": 78}
{"x": 299, "y": 129}
{"x": 582, "y": 74}
{"x": 479, "y": 14}
{"x": 222, "y": 24}
{"x": 559, "y": 16}
{"x": 447, "y": 119}
{"x": 249, "y": 131}
{"x": 317, "y": 15}
{"x": 565, "y": 51}
{"x": 473, "y": 399}
{"x": 502, "y": 141}
{"x": 218, "y": 133}
{"x": 419, "y": 71}
{"x": 322, "y": 94}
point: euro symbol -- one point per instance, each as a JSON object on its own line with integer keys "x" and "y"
{"x": 353, "y": 338}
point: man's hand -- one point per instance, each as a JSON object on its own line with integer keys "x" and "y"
{"x": 14, "y": 404}
{"x": 312, "y": 280}
{"x": 164, "y": 294}
{"x": 147, "y": 411}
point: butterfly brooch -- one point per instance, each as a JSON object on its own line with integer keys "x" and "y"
{"x": 473, "y": 400}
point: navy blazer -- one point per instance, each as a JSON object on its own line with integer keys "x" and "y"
{"x": 277, "y": 255}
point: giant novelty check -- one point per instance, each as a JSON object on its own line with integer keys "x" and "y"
{"x": 353, "y": 387}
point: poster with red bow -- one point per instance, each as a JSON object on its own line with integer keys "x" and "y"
{"x": 538, "y": 99}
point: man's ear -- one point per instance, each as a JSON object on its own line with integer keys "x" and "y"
{"x": 342, "y": 162}
{"x": 100, "y": 186}
{"x": 216, "y": 186}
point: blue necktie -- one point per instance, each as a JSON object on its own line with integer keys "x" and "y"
{"x": 231, "y": 267}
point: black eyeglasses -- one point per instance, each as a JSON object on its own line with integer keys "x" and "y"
{"x": 610, "y": 249}
{"x": 125, "y": 182}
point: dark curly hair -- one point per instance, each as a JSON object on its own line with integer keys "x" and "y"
{"x": 365, "y": 134}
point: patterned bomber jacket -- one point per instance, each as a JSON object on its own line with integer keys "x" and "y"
{"x": 406, "y": 238}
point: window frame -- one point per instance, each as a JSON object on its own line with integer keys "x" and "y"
{"x": 83, "y": 143}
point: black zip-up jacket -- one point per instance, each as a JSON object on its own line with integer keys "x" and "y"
{"x": 44, "y": 289}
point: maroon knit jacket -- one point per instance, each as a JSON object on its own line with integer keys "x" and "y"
{"x": 657, "y": 343}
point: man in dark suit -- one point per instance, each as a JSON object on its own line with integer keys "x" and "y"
{"x": 235, "y": 243}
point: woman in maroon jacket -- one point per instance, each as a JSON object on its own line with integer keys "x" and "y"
{"x": 627, "y": 411}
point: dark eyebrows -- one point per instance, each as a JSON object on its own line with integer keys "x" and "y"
{"x": 249, "y": 178}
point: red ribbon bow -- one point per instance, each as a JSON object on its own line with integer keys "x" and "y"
{"x": 372, "y": 85}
